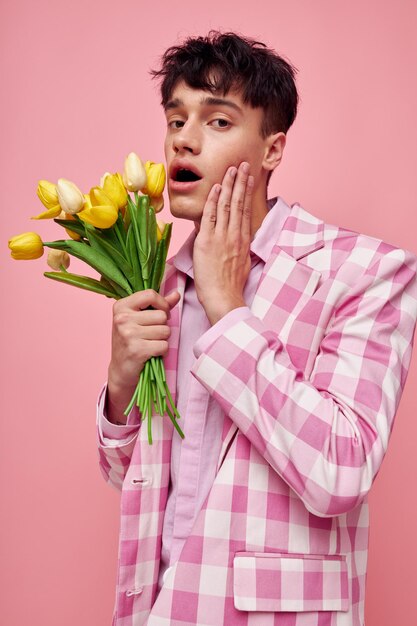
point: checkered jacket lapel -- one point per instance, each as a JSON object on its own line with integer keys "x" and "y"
{"x": 300, "y": 236}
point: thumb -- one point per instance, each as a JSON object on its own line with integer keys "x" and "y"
{"x": 173, "y": 298}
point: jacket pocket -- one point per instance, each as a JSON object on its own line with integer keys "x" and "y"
{"x": 279, "y": 581}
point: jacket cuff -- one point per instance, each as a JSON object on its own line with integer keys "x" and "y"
{"x": 107, "y": 429}
{"x": 219, "y": 328}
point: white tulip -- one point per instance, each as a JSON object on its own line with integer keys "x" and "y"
{"x": 58, "y": 259}
{"x": 70, "y": 198}
{"x": 134, "y": 173}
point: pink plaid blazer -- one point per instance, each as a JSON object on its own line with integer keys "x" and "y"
{"x": 309, "y": 385}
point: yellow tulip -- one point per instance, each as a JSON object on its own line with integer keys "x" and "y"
{"x": 98, "y": 197}
{"x": 134, "y": 174}
{"x": 160, "y": 229}
{"x": 103, "y": 178}
{"x": 155, "y": 173}
{"x": 47, "y": 194}
{"x": 114, "y": 188}
{"x": 99, "y": 216}
{"x": 157, "y": 203}
{"x": 49, "y": 213}
{"x": 103, "y": 211}
{"x": 70, "y": 197}
{"x": 71, "y": 233}
{"x": 26, "y": 246}
{"x": 57, "y": 259}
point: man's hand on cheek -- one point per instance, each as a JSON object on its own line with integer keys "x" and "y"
{"x": 221, "y": 260}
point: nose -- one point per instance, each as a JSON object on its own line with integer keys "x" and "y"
{"x": 186, "y": 138}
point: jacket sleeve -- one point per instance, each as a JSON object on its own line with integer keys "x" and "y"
{"x": 326, "y": 436}
{"x": 115, "y": 442}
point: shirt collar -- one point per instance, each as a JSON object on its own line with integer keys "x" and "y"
{"x": 261, "y": 245}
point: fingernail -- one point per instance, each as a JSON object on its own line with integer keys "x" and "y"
{"x": 233, "y": 172}
{"x": 245, "y": 168}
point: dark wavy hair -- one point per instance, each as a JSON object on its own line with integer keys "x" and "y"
{"x": 220, "y": 62}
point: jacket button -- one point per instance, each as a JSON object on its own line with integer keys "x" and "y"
{"x": 165, "y": 574}
{"x": 141, "y": 481}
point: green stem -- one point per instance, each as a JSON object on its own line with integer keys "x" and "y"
{"x": 158, "y": 399}
{"x": 121, "y": 240}
{"x": 151, "y": 392}
{"x": 162, "y": 369}
{"x": 135, "y": 395}
{"x": 159, "y": 382}
{"x": 172, "y": 402}
{"x": 144, "y": 386}
{"x": 149, "y": 415}
{"x": 176, "y": 425}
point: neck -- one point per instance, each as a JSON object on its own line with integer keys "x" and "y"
{"x": 259, "y": 210}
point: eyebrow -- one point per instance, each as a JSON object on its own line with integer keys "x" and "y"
{"x": 210, "y": 100}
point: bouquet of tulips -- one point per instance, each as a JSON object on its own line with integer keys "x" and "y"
{"x": 118, "y": 236}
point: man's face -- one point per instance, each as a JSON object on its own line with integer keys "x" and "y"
{"x": 210, "y": 137}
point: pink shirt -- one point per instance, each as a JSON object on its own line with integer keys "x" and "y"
{"x": 194, "y": 459}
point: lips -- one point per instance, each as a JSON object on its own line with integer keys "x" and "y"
{"x": 178, "y": 165}
{"x": 183, "y": 186}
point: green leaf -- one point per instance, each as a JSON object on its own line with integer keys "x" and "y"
{"x": 157, "y": 269}
{"x": 98, "y": 261}
{"x": 121, "y": 225}
{"x": 143, "y": 226}
{"x": 111, "y": 236}
{"x": 160, "y": 258}
{"x": 83, "y": 282}
{"x": 134, "y": 259}
{"x": 118, "y": 289}
{"x": 107, "y": 284}
{"x": 100, "y": 242}
{"x": 152, "y": 228}
{"x": 167, "y": 234}
{"x": 76, "y": 227}
{"x": 133, "y": 212}
{"x": 143, "y": 204}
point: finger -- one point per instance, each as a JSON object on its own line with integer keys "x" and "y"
{"x": 150, "y": 317}
{"x": 225, "y": 199}
{"x": 238, "y": 198}
{"x": 173, "y": 298}
{"x": 209, "y": 217}
{"x": 155, "y": 333}
{"x": 141, "y": 300}
{"x": 247, "y": 209}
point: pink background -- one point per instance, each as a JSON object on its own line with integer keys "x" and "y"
{"x": 77, "y": 97}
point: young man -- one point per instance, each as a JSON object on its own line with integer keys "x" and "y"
{"x": 287, "y": 343}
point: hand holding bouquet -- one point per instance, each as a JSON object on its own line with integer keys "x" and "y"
{"x": 119, "y": 237}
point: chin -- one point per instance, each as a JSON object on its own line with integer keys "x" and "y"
{"x": 185, "y": 208}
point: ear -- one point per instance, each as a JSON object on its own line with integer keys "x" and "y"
{"x": 274, "y": 149}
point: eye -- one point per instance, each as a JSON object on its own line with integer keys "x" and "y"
{"x": 174, "y": 122}
{"x": 222, "y": 120}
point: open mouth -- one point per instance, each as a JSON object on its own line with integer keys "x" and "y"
{"x": 186, "y": 176}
